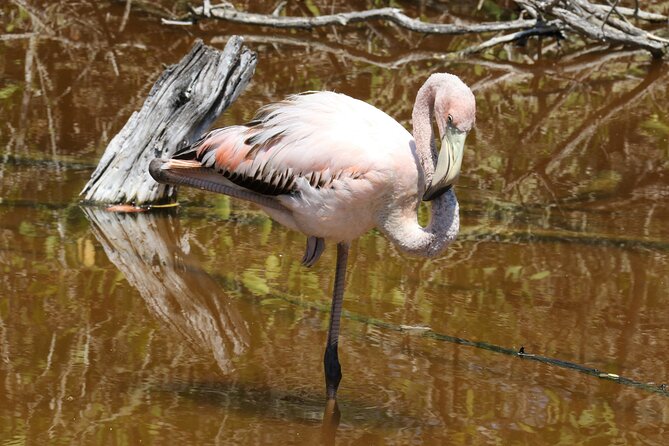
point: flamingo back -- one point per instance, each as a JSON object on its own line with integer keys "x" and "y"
{"x": 329, "y": 158}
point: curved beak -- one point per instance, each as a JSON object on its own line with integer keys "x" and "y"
{"x": 448, "y": 163}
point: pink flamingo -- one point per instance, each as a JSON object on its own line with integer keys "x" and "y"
{"x": 334, "y": 167}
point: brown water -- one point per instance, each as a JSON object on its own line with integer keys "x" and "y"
{"x": 201, "y": 327}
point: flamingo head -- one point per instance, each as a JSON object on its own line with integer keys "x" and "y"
{"x": 455, "y": 115}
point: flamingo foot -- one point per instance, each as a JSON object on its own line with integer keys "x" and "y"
{"x": 315, "y": 247}
{"x": 332, "y": 371}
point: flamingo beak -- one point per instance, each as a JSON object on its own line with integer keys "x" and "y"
{"x": 448, "y": 163}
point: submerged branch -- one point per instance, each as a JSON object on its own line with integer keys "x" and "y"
{"x": 151, "y": 255}
{"x": 427, "y": 332}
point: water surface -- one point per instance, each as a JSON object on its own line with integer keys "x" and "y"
{"x": 200, "y": 326}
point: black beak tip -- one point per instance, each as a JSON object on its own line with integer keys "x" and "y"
{"x": 436, "y": 193}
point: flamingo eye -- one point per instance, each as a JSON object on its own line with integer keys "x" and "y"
{"x": 450, "y": 119}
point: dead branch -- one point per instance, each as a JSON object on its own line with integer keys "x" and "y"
{"x": 621, "y": 25}
{"x": 393, "y": 15}
{"x": 595, "y": 23}
{"x": 551, "y": 29}
{"x": 549, "y": 17}
{"x": 632, "y": 12}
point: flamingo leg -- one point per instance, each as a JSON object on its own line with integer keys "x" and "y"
{"x": 331, "y": 358}
{"x": 204, "y": 178}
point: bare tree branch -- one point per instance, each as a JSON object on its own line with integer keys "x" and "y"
{"x": 623, "y": 26}
{"x": 587, "y": 19}
{"x": 635, "y": 12}
{"x": 539, "y": 30}
{"x": 393, "y": 15}
{"x": 593, "y": 22}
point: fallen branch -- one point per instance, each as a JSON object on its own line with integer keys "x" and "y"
{"x": 631, "y": 12}
{"x": 594, "y": 22}
{"x": 540, "y": 30}
{"x": 621, "y": 25}
{"x": 394, "y": 15}
{"x": 587, "y": 19}
{"x": 182, "y": 104}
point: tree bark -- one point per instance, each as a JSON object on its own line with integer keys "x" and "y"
{"x": 183, "y": 103}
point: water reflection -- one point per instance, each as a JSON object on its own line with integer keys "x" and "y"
{"x": 154, "y": 257}
{"x": 331, "y": 418}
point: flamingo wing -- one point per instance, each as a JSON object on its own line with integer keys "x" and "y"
{"x": 307, "y": 140}
{"x": 321, "y": 163}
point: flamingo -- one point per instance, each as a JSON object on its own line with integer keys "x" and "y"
{"x": 334, "y": 167}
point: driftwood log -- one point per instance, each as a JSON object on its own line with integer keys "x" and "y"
{"x": 183, "y": 103}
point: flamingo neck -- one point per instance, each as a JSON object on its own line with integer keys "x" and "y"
{"x": 444, "y": 223}
{"x": 400, "y": 225}
{"x": 423, "y": 133}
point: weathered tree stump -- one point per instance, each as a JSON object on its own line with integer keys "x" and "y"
{"x": 183, "y": 103}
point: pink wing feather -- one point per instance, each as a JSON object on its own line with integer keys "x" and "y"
{"x": 319, "y": 137}
{"x": 331, "y": 161}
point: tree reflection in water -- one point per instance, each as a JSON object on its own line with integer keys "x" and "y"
{"x": 154, "y": 257}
